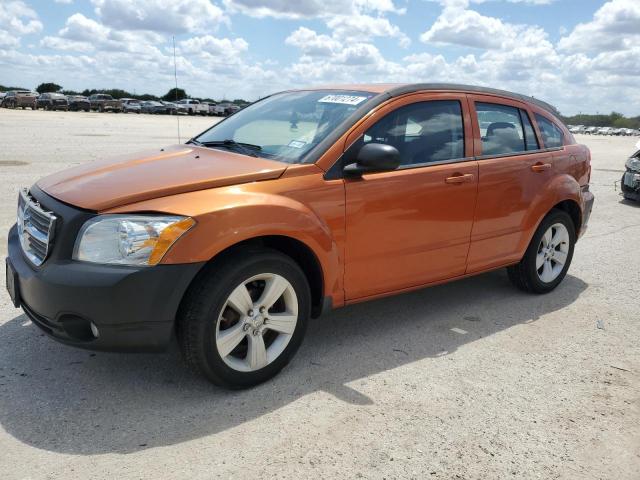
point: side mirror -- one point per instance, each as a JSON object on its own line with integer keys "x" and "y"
{"x": 374, "y": 157}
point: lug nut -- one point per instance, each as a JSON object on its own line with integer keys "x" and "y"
{"x": 265, "y": 321}
{"x": 246, "y": 327}
{"x": 262, "y": 309}
{"x": 256, "y": 332}
{"x": 250, "y": 313}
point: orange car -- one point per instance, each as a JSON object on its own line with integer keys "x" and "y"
{"x": 304, "y": 201}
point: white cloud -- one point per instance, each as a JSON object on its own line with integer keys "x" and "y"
{"x": 84, "y": 34}
{"x": 17, "y": 19}
{"x": 166, "y": 16}
{"x": 457, "y": 25}
{"x": 615, "y": 26}
{"x": 364, "y": 27}
{"x": 64, "y": 1}
{"x": 213, "y": 48}
{"x": 311, "y": 43}
{"x": 309, "y": 8}
{"x": 8, "y": 40}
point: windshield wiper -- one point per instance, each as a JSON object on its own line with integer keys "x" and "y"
{"x": 246, "y": 148}
{"x": 193, "y": 141}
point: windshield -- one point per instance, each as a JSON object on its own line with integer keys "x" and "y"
{"x": 285, "y": 126}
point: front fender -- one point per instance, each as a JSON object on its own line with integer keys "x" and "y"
{"x": 229, "y": 215}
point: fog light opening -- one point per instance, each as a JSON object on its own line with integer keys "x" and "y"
{"x": 94, "y": 330}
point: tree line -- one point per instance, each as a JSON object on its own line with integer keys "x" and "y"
{"x": 614, "y": 119}
{"x": 171, "y": 96}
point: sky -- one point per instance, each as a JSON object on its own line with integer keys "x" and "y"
{"x": 580, "y": 55}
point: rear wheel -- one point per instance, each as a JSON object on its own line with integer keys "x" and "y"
{"x": 243, "y": 320}
{"x": 547, "y": 259}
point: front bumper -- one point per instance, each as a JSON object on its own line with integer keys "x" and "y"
{"x": 630, "y": 185}
{"x": 134, "y": 308}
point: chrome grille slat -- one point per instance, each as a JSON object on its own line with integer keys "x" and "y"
{"x": 42, "y": 222}
{"x": 36, "y": 234}
{"x": 36, "y": 227}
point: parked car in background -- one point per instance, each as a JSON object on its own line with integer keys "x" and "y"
{"x": 630, "y": 183}
{"x": 219, "y": 110}
{"x": 102, "y": 102}
{"x": 232, "y": 242}
{"x": 577, "y": 129}
{"x": 233, "y": 108}
{"x": 194, "y": 107}
{"x": 605, "y": 131}
{"x": 20, "y": 99}
{"x": 130, "y": 105}
{"x": 212, "y": 108}
{"x": 173, "y": 108}
{"x": 153, "y": 106}
{"x": 78, "y": 102}
{"x": 591, "y": 130}
{"x": 52, "y": 101}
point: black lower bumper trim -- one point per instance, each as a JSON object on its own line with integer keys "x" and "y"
{"x": 133, "y": 308}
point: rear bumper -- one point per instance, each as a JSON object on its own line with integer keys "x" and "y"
{"x": 134, "y": 308}
{"x": 587, "y": 207}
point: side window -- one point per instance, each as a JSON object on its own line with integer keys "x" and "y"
{"x": 500, "y": 128}
{"x": 422, "y": 132}
{"x": 552, "y": 136}
{"x": 530, "y": 139}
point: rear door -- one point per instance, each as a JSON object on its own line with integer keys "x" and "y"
{"x": 411, "y": 226}
{"x": 513, "y": 171}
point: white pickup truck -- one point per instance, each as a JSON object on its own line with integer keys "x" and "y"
{"x": 194, "y": 107}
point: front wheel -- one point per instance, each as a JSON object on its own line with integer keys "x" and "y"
{"x": 547, "y": 259}
{"x": 244, "y": 318}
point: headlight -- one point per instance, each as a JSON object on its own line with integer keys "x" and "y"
{"x": 129, "y": 239}
{"x": 633, "y": 164}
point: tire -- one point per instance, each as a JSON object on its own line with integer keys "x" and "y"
{"x": 207, "y": 307}
{"x": 525, "y": 275}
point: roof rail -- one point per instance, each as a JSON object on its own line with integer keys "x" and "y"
{"x": 415, "y": 87}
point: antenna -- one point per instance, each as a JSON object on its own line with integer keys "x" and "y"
{"x": 175, "y": 76}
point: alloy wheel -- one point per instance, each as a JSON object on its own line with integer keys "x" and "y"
{"x": 257, "y": 322}
{"x": 553, "y": 251}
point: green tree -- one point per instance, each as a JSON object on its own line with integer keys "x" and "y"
{"x": 7, "y": 89}
{"x": 48, "y": 88}
{"x": 175, "y": 94}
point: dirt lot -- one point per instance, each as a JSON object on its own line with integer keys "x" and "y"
{"x": 471, "y": 380}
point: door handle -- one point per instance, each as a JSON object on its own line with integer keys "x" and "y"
{"x": 540, "y": 167}
{"x": 459, "y": 178}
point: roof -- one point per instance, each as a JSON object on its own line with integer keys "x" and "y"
{"x": 397, "y": 89}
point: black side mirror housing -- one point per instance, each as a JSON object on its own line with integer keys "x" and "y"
{"x": 374, "y": 157}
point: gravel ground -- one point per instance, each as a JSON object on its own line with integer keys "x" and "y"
{"x": 470, "y": 380}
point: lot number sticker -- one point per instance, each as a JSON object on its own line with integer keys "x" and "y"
{"x": 343, "y": 99}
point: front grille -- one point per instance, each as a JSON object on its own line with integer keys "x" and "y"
{"x": 35, "y": 228}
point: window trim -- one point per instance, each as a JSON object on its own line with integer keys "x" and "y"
{"x": 436, "y": 162}
{"x": 476, "y": 120}
{"x": 552, "y": 122}
{"x": 522, "y": 111}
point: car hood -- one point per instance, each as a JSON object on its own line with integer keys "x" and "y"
{"x": 106, "y": 184}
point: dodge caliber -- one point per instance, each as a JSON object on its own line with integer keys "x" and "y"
{"x": 305, "y": 201}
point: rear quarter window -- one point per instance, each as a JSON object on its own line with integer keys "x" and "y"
{"x": 552, "y": 135}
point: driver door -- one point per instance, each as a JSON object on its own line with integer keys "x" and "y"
{"x": 411, "y": 226}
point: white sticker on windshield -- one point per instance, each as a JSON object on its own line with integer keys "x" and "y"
{"x": 297, "y": 144}
{"x": 344, "y": 99}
